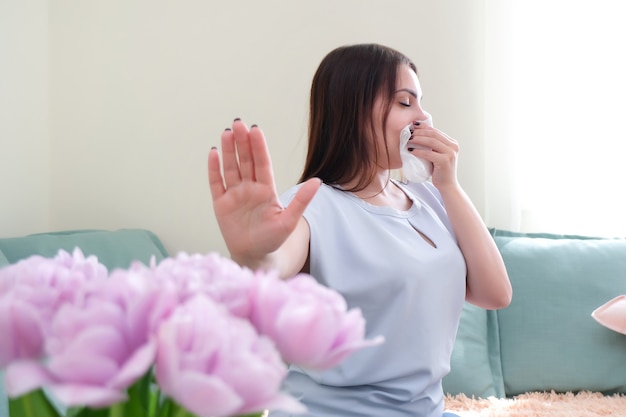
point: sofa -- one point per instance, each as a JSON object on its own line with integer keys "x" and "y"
{"x": 546, "y": 340}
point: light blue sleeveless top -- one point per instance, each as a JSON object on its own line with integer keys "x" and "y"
{"x": 408, "y": 291}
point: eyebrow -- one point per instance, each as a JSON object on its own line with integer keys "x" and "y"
{"x": 406, "y": 90}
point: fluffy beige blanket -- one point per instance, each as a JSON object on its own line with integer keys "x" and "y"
{"x": 583, "y": 404}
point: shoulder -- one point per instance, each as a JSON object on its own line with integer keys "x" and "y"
{"x": 326, "y": 194}
{"x": 327, "y": 202}
{"x": 425, "y": 192}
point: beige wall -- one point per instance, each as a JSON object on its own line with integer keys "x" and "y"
{"x": 24, "y": 130}
{"x": 140, "y": 90}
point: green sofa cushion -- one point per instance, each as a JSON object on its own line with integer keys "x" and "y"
{"x": 114, "y": 249}
{"x": 3, "y": 261}
{"x": 548, "y": 339}
{"x": 475, "y": 368}
{"x": 4, "y": 403}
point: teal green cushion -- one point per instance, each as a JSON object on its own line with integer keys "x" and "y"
{"x": 475, "y": 368}
{"x": 3, "y": 261}
{"x": 114, "y": 249}
{"x": 4, "y": 403}
{"x": 548, "y": 339}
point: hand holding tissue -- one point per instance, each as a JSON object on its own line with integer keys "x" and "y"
{"x": 414, "y": 169}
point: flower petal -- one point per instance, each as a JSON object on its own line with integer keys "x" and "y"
{"x": 339, "y": 354}
{"x": 206, "y": 396}
{"x": 135, "y": 367}
{"x": 167, "y": 359}
{"x": 21, "y": 326}
{"x": 24, "y": 376}
{"x": 280, "y": 401}
{"x": 82, "y": 369}
{"x": 92, "y": 396}
{"x": 98, "y": 340}
{"x": 306, "y": 333}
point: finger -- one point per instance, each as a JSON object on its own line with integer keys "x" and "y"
{"x": 301, "y": 200}
{"x": 244, "y": 153}
{"x": 439, "y": 157}
{"x": 443, "y": 155}
{"x": 261, "y": 156}
{"x": 229, "y": 158}
{"x": 216, "y": 182}
{"x": 448, "y": 140}
{"x": 434, "y": 139}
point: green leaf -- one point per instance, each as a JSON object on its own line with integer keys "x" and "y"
{"x": 140, "y": 397}
{"x": 138, "y": 402}
{"x": 73, "y": 412}
{"x": 164, "y": 408}
{"x": 90, "y": 412}
{"x": 77, "y": 412}
{"x": 32, "y": 404}
{"x": 169, "y": 408}
{"x": 118, "y": 410}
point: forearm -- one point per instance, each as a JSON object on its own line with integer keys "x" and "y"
{"x": 288, "y": 260}
{"x": 488, "y": 284}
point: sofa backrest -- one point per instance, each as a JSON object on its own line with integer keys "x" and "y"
{"x": 114, "y": 249}
{"x": 546, "y": 339}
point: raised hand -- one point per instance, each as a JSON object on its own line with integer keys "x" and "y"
{"x": 440, "y": 149}
{"x": 252, "y": 220}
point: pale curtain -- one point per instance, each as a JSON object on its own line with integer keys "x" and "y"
{"x": 555, "y": 116}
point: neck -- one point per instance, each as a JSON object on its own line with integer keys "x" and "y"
{"x": 384, "y": 192}
{"x": 380, "y": 185}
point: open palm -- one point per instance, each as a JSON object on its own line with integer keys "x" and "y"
{"x": 251, "y": 218}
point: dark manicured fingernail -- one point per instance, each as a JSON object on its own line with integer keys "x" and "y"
{"x": 213, "y": 148}
{"x": 228, "y": 129}
{"x": 237, "y": 119}
{"x": 416, "y": 123}
{"x": 411, "y": 149}
{"x": 253, "y": 126}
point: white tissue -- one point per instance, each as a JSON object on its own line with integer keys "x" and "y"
{"x": 414, "y": 169}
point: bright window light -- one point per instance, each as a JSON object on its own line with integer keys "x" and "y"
{"x": 568, "y": 115}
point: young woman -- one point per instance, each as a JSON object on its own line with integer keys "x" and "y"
{"x": 407, "y": 254}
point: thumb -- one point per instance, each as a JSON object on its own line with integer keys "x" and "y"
{"x": 303, "y": 197}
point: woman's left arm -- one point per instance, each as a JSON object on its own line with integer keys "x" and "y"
{"x": 488, "y": 284}
{"x": 487, "y": 281}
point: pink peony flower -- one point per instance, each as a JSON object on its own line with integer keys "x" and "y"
{"x": 87, "y": 336}
{"x": 219, "y": 278}
{"x": 22, "y": 330}
{"x": 215, "y": 364}
{"x": 309, "y": 323}
{"x": 99, "y": 344}
{"x": 31, "y": 291}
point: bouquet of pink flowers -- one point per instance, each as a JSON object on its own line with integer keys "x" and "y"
{"x": 195, "y": 335}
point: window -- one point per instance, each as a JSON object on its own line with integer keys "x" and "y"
{"x": 568, "y": 115}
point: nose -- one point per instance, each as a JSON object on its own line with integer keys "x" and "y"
{"x": 424, "y": 118}
{"x": 420, "y": 114}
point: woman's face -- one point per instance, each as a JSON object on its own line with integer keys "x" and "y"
{"x": 405, "y": 109}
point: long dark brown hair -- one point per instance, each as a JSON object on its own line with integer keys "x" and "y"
{"x": 341, "y": 124}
